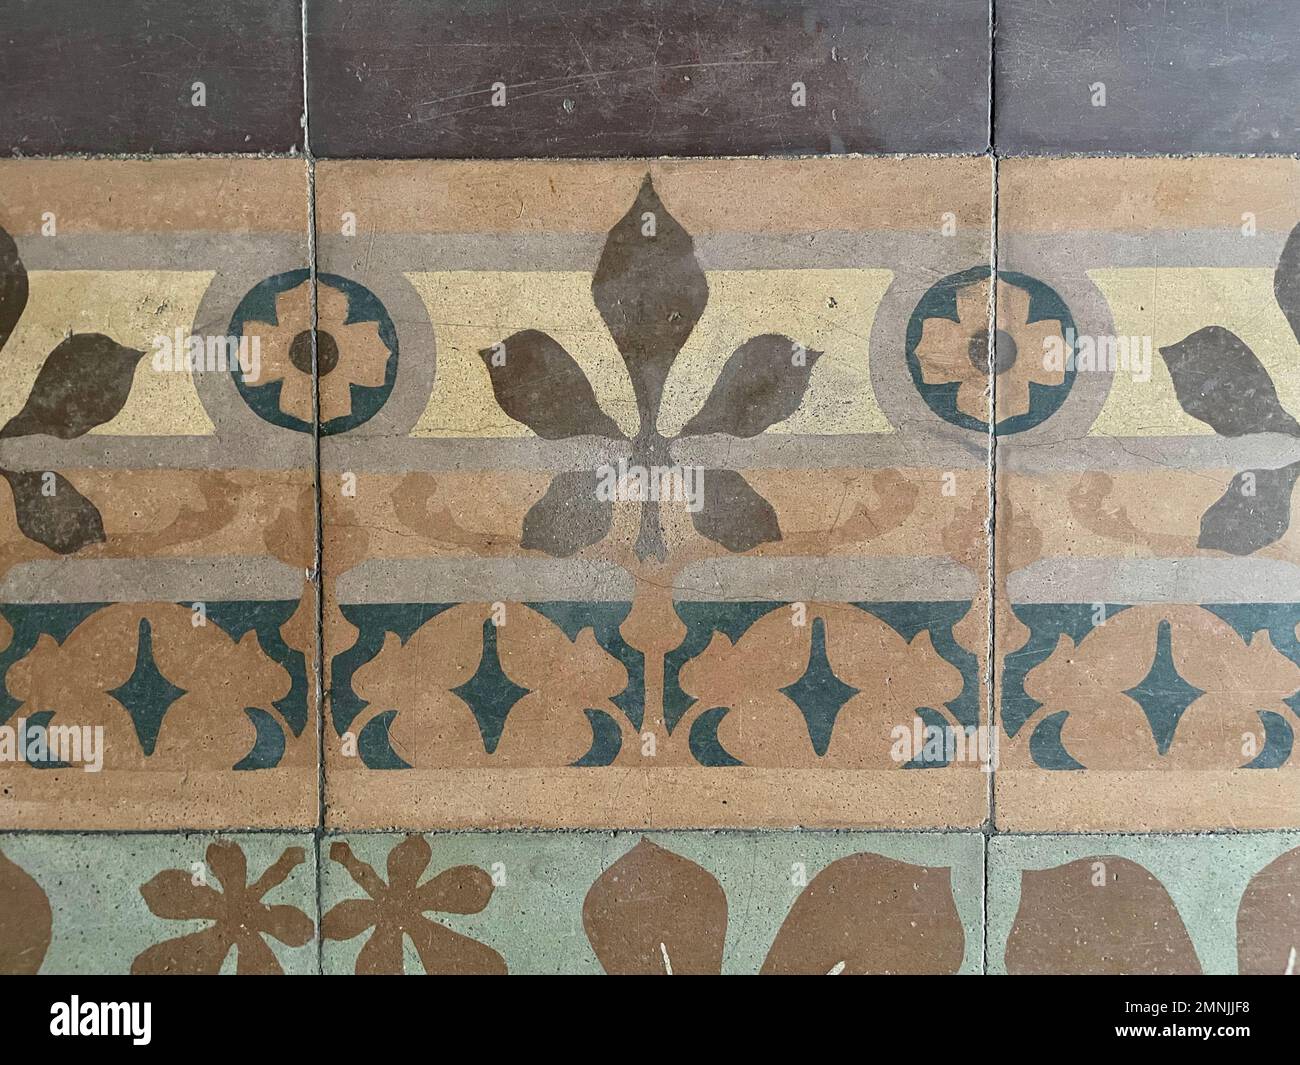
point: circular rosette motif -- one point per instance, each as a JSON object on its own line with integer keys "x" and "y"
{"x": 356, "y": 351}
{"x": 948, "y": 350}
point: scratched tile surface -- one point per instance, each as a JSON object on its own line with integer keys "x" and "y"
{"x": 689, "y": 903}
{"x": 150, "y": 76}
{"x": 513, "y": 637}
{"x": 1144, "y": 905}
{"x": 158, "y": 518}
{"x": 1149, "y": 328}
{"x": 158, "y": 904}
{"x": 613, "y": 78}
{"x": 1145, "y": 77}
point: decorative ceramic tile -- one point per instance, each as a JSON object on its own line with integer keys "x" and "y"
{"x": 1149, "y": 316}
{"x": 495, "y": 79}
{"x": 675, "y": 904}
{"x": 1146, "y": 77}
{"x": 158, "y": 904}
{"x": 1148, "y": 905}
{"x": 150, "y": 76}
{"x": 647, "y": 498}
{"x": 157, "y": 625}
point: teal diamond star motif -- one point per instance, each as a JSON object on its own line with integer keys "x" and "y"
{"x": 489, "y": 693}
{"x": 819, "y": 693}
{"x": 147, "y": 695}
{"x": 1163, "y": 694}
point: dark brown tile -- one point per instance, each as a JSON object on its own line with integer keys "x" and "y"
{"x": 645, "y": 77}
{"x": 87, "y": 76}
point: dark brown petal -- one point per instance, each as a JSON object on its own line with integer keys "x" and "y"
{"x": 276, "y": 873}
{"x": 381, "y": 954}
{"x": 1240, "y": 521}
{"x": 733, "y": 514}
{"x": 463, "y": 889}
{"x": 447, "y": 953}
{"x": 64, "y": 522}
{"x": 26, "y": 922}
{"x": 655, "y": 913}
{"x": 173, "y": 895}
{"x": 362, "y": 873}
{"x": 198, "y": 954}
{"x": 407, "y": 863}
{"x": 762, "y": 383}
{"x": 568, "y": 517}
{"x": 539, "y": 383}
{"x": 1127, "y": 924}
{"x": 227, "y": 862}
{"x": 84, "y": 382}
{"x": 650, "y": 291}
{"x": 13, "y": 286}
{"x": 1218, "y": 379}
{"x": 1268, "y": 919}
{"x": 867, "y": 914}
{"x": 349, "y": 919}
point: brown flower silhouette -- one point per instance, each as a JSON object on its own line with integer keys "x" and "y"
{"x": 655, "y": 913}
{"x": 398, "y": 909}
{"x": 239, "y": 916}
{"x": 650, "y": 291}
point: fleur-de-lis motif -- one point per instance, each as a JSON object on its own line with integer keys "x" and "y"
{"x": 651, "y": 292}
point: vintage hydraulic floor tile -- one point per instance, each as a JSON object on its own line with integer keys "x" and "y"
{"x": 1147, "y": 77}
{"x": 789, "y": 629}
{"x": 496, "y": 79}
{"x": 1145, "y": 905}
{"x": 157, "y": 623}
{"x": 150, "y": 76}
{"x": 681, "y": 903}
{"x": 158, "y": 904}
{"x": 1149, "y": 338}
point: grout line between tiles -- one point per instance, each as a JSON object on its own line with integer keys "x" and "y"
{"x": 317, "y": 585}
{"x": 991, "y": 523}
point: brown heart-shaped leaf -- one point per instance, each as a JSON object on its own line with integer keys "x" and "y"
{"x": 867, "y": 914}
{"x": 762, "y": 383}
{"x": 26, "y": 922}
{"x": 655, "y": 913}
{"x": 83, "y": 383}
{"x": 733, "y": 514}
{"x": 540, "y": 384}
{"x": 1218, "y": 379}
{"x": 650, "y": 291}
{"x": 64, "y": 521}
{"x": 1268, "y": 920}
{"x": 568, "y": 517}
{"x": 13, "y": 286}
{"x": 1098, "y": 916}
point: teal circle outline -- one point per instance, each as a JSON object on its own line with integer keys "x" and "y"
{"x": 940, "y": 301}
{"x": 258, "y": 305}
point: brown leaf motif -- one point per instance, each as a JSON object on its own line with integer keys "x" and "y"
{"x": 1100, "y": 916}
{"x": 653, "y": 912}
{"x": 1268, "y": 920}
{"x": 26, "y": 922}
{"x": 239, "y": 917}
{"x": 396, "y": 909}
